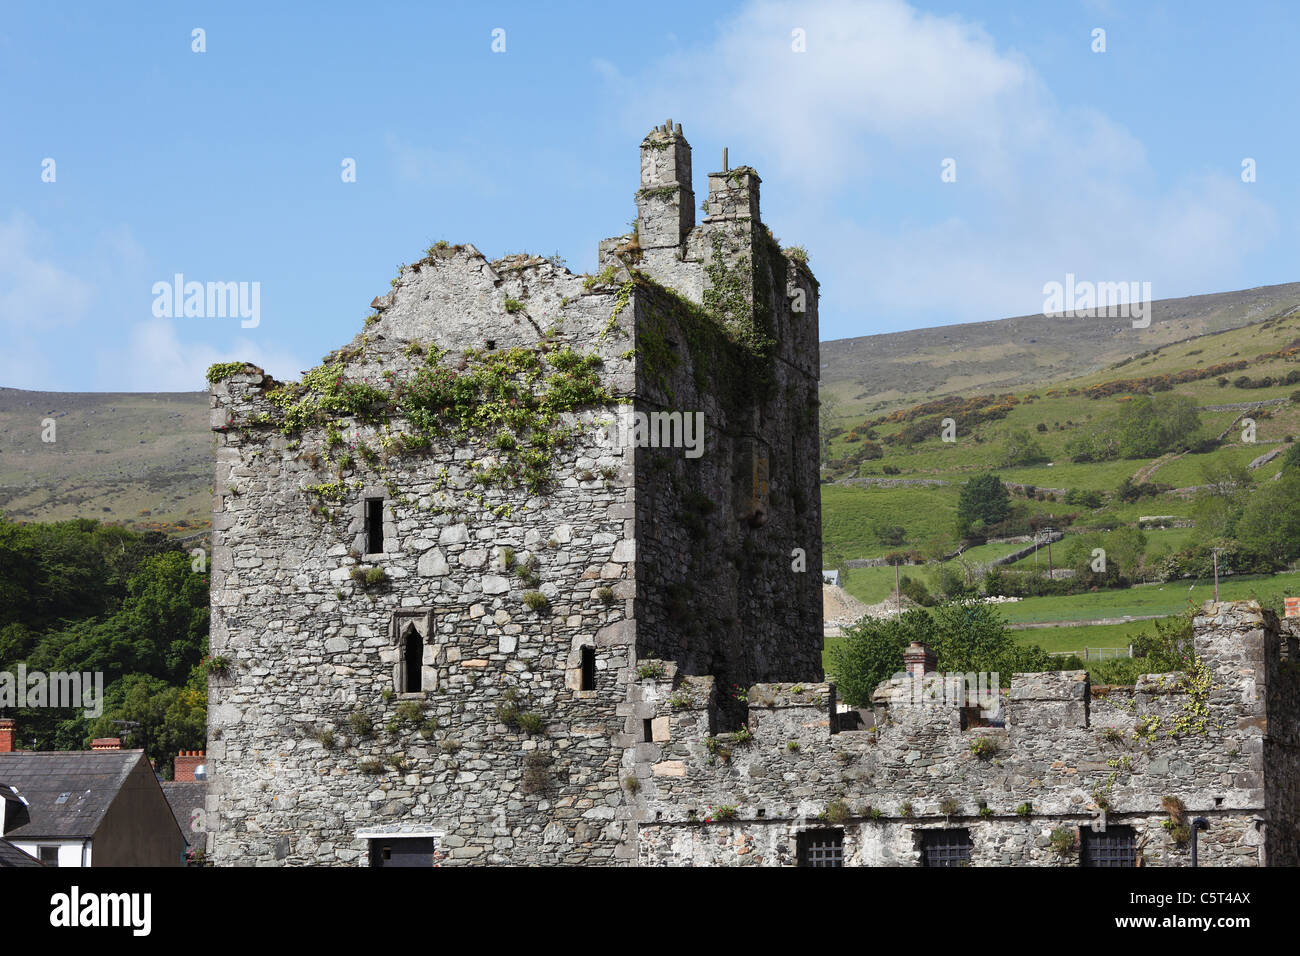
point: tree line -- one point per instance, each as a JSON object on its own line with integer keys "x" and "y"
{"x": 80, "y": 596}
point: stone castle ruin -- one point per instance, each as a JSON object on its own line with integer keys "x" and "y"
{"x": 529, "y": 572}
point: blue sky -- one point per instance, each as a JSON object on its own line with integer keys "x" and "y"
{"x": 1123, "y": 165}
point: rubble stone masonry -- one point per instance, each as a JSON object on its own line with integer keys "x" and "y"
{"x": 453, "y": 602}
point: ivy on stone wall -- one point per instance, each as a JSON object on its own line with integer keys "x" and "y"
{"x": 510, "y": 400}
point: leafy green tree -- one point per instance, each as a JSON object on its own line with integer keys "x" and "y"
{"x": 1291, "y": 460}
{"x": 1021, "y": 448}
{"x": 1125, "y": 548}
{"x": 983, "y": 501}
{"x": 84, "y": 597}
{"x": 1097, "y": 443}
{"x": 156, "y": 716}
{"x": 951, "y": 580}
{"x": 965, "y": 636}
{"x": 1148, "y": 427}
{"x": 1218, "y": 505}
{"x": 973, "y": 636}
{"x": 159, "y": 630}
{"x": 871, "y": 651}
{"x": 1168, "y": 647}
{"x": 1270, "y": 520}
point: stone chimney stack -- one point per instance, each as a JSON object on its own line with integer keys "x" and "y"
{"x": 919, "y": 660}
{"x": 665, "y": 203}
{"x": 8, "y": 734}
{"x": 187, "y": 761}
{"x": 106, "y": 743}
{"x": 733, "y": 194}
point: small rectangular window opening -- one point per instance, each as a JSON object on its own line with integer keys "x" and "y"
{"x": 1117, "y": 847}
{"x": 647, "y": 728}
{"x": 374, "y": 525}
{"x": 820, "y": 847}
{"x": 588, "y": 668}
{"x": 945, "y": 847}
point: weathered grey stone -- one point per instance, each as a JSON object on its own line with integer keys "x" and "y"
{"x": 432, "y": 563}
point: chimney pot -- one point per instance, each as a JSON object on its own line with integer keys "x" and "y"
{"x": 919, "y": 659}
{"x": 185, "y": 763}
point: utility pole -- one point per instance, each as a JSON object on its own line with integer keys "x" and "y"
{"x": 898, "y": 592}
{"x": 1215, "y": 552}
{"x": 1048, "y": 532}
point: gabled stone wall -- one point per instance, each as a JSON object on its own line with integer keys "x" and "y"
{"x": 308, "y": 647}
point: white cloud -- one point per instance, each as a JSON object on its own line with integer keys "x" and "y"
{"x": 884, "y": 90}
{"x": 40, "y": 301}
{"x": 1200, "y": 233}
{"x": 35, "y": 292}
{"x": 872, "y": 69}
{"x": 155, "y": 359}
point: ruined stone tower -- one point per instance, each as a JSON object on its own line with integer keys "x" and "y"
{"x": 443, "y": 560}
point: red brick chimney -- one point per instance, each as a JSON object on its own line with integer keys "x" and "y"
{"x": 919, "y": 659}
{"x": 186, "y": 761}
{"x": 106, "y": 743}
{"x": 8, "y": 734}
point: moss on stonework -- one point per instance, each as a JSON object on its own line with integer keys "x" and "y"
{"x": 659, "y": 192}
{"x": 509, "y": 399}
{"x": 223, "y": 370}
{"x": 735, "y": 366}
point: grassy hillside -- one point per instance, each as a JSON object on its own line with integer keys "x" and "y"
{"x": 141, "y": 460}
{"x": 877, "y": 373}
{"x": 892, "y": 483}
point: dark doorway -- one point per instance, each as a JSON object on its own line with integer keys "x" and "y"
{"x": 374, "y": 526}
{"x": 412, "y": 661}
{"x": 402, "y": 851}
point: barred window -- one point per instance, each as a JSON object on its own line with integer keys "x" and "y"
{"x": 821, "y": 847}
{"x": 1115, "y": 847}
{"x": 945, "y": 847}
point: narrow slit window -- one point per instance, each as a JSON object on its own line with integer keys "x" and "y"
{"x": 412, "y": 660}
{"x": 374, "y": 525}
{"x": 648, "y": 730}
{"x": 588, "y": 668}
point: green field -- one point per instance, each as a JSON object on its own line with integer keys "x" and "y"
{"x": 1086, "y": 635}
{"x": 1161, "y": 599}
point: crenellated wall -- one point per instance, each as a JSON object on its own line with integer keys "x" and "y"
{"x": 1068, "y": 756}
